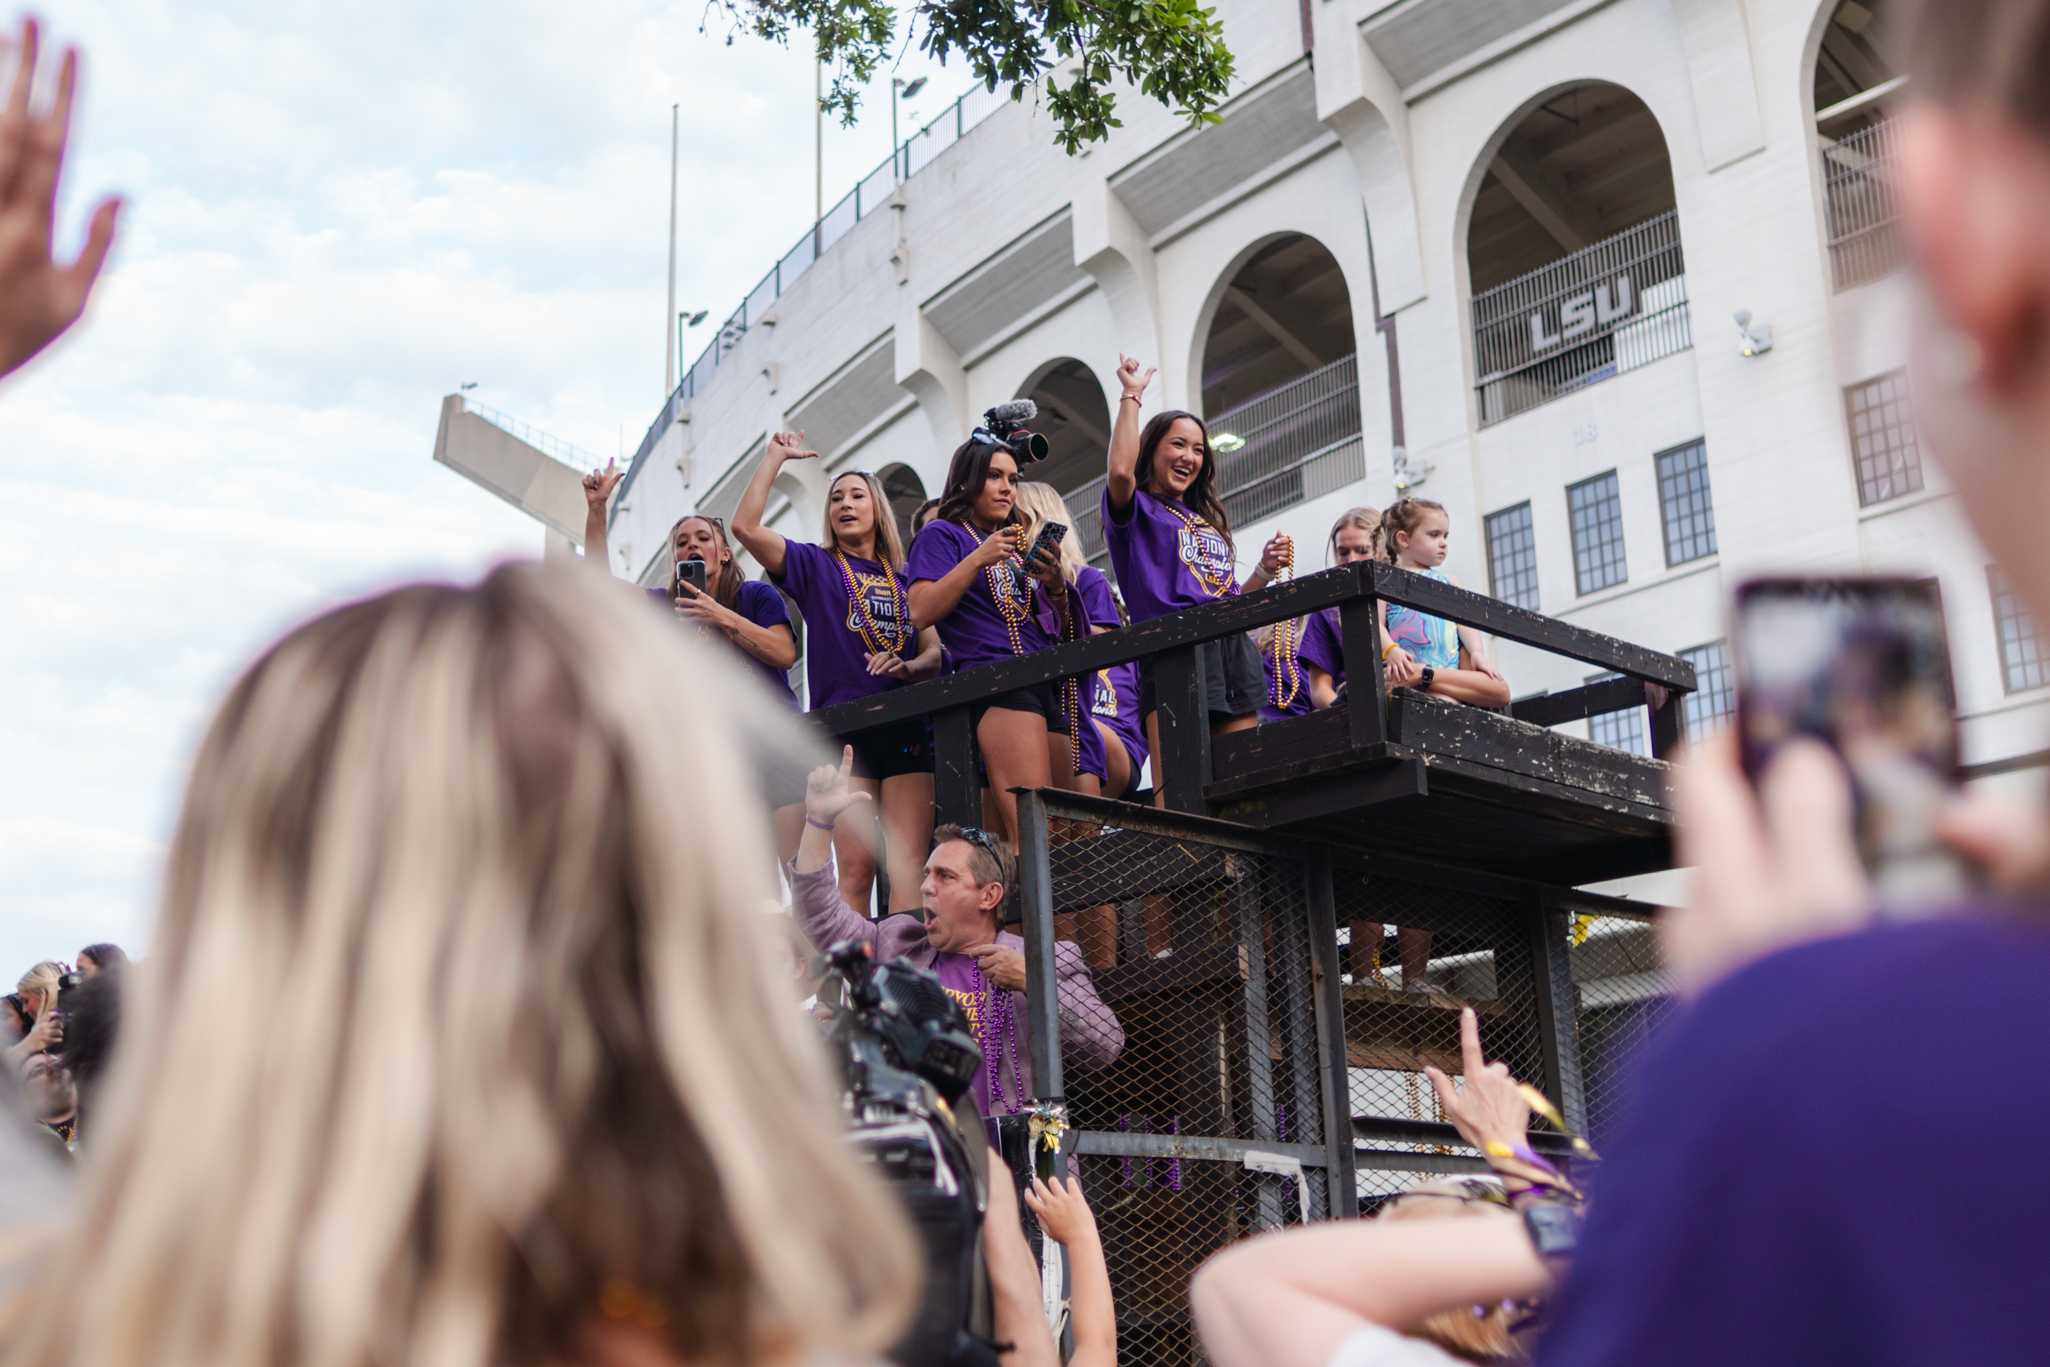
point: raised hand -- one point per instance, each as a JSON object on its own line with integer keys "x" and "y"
{"x": 827, "y": 791}
{"x": 1489, "y": 1110}
{"x": 1278, "y": 554}
{"x": 599, "y": 484}
{"x": 789, "y": 446}
{"x": 1062, "y": 1212}
{"x": 39, "y": 299}
{"x": 1130, "y": 380}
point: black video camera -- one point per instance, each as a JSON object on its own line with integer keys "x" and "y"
{"x": 909, "y": 1059}
{"x": 1005, "y": 426}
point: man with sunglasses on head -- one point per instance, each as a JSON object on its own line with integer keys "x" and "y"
{"x": 957, "y": 935}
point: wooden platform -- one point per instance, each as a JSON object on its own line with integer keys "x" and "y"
{"x": 1470, "y": 787}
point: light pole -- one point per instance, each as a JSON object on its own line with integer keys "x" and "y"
{"x": 673, "y": 359}
{"x": 685, "y": 319}
{"x": 909, "y": 91}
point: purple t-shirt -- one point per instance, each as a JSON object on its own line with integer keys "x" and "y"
{"x": 1317, "y": 645}
{"x": 762, "y": 605}
{"x": 990, "y": 1021}
{"x": 1113, "y": 692}
{"x": 976, "y": 631}
{"x": 1795, "y": 1181}
{"x": 842, "y": 628}
{"x": 1167, "y": 558}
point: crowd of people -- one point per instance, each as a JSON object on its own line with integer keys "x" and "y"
{"x": 57, "y": 1034}
{"x": 465, "y": 1036}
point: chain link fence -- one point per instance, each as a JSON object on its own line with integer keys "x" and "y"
{"x": 1210, "y": 1125}
{"x": 1252, "y": 980}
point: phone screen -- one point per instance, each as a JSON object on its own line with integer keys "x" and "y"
{"x": 1862, "y": 665}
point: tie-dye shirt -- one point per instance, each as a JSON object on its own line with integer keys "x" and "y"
{"x": 1430, "y": 641}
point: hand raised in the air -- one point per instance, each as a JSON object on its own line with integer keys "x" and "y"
{"x": 1130, "y": 378}
{"x": 599, "y": 484}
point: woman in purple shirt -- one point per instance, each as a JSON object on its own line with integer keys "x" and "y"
{"x": 1171, "y": 545}
{"x": 850, "y": 590}
{"x": 746, "y": 613}
{"x": 969, "y": 578}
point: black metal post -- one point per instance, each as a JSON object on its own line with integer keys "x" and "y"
{"x": 956, "y": 790}
{"x": 1366, "y": 688}
{"x": 1042, "y": 976}
{"x": 1558, "y": 1009}
{"x": 1330, "y": 992}
{"x": 1667, "y": 724}
{"x": 1179, "y": 696}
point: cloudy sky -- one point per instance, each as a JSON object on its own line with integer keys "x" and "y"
{"x": 336, "y": 214}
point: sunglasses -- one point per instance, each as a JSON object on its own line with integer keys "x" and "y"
{"x": 975, "y": 835}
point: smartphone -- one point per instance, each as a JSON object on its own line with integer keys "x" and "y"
{"x": 1049, "y": 539}
{"x": 691, "y": 572}
{"x": 1862, "y": 665}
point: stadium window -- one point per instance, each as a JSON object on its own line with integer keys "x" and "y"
{"x": 1685, "y": 506}
{"x": 1512, "y": 556}
{"x": 1887, "y": 457}
{"x": 1623, "y": 730}
{"x": 1594, "y": 509}
{"x": 2021, "y": 649}
{"x": 1714, "y": 699}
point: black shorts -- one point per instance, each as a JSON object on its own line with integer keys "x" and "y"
{"x": 882, "y": 752}
{"x": 1042, "y": 700}
{"x": 1233, "y": 681}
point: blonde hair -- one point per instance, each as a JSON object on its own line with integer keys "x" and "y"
{"x": 1367, "y": 520}
{"x": 1475, "y": 1337}
{"x": 493, "y": 1079}
{"x": 889, "y": 540}
{"x": 1042, "y": 503}
{"x": 41, "y": 984}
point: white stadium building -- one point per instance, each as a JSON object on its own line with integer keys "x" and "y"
{"x": 1493, "y": 251}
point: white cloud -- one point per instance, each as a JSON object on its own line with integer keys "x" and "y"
{"x": 335, "y": 214}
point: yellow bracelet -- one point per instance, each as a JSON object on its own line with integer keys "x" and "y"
{"x": 1386, "y": 649}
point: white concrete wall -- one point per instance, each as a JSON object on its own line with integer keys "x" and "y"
{"x": 1729, "y": 83}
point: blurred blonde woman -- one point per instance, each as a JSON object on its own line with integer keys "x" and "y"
{"x": 479, "y": 1098}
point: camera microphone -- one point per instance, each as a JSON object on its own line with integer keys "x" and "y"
{"x": 1011, "y": 414}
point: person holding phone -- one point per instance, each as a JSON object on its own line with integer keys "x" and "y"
{"x": 708, "y": 591}
{"x": 971, "y": 578}
{"x": 1170, "y": 542}
{"x": 850, "y": 590}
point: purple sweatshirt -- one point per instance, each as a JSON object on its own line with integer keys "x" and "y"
{"x": 1090, "y": 1034}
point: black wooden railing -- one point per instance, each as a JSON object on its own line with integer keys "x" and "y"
{"x": 1649, "y": 678}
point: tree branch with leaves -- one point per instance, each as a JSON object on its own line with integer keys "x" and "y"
{"x": 1077, "y": 50}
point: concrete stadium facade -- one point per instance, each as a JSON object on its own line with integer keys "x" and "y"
{"x": 1494, "y": 250}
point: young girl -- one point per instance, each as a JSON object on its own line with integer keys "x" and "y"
{"x": 1422, "y": 651}
{"x": 747, "y": 614}
{"x": 1308, "y": 667}
{"x": 1112, "y": 750}
{"x": 851, "y": 592}
{"x": 969, "y": 578}
{"x": 1171, "y": 545}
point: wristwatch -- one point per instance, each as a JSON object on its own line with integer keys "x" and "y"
{"x": 1554, "y": 1229}
{"x": 1424, "y": 683}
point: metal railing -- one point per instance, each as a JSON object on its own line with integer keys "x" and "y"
{"x": 1858, "y": 203}
{"x": 1607, "y": 309}
{"x": 1302, "y": 441}
{"x": 548, "y": 444}
{"x": 870, "y": 193}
